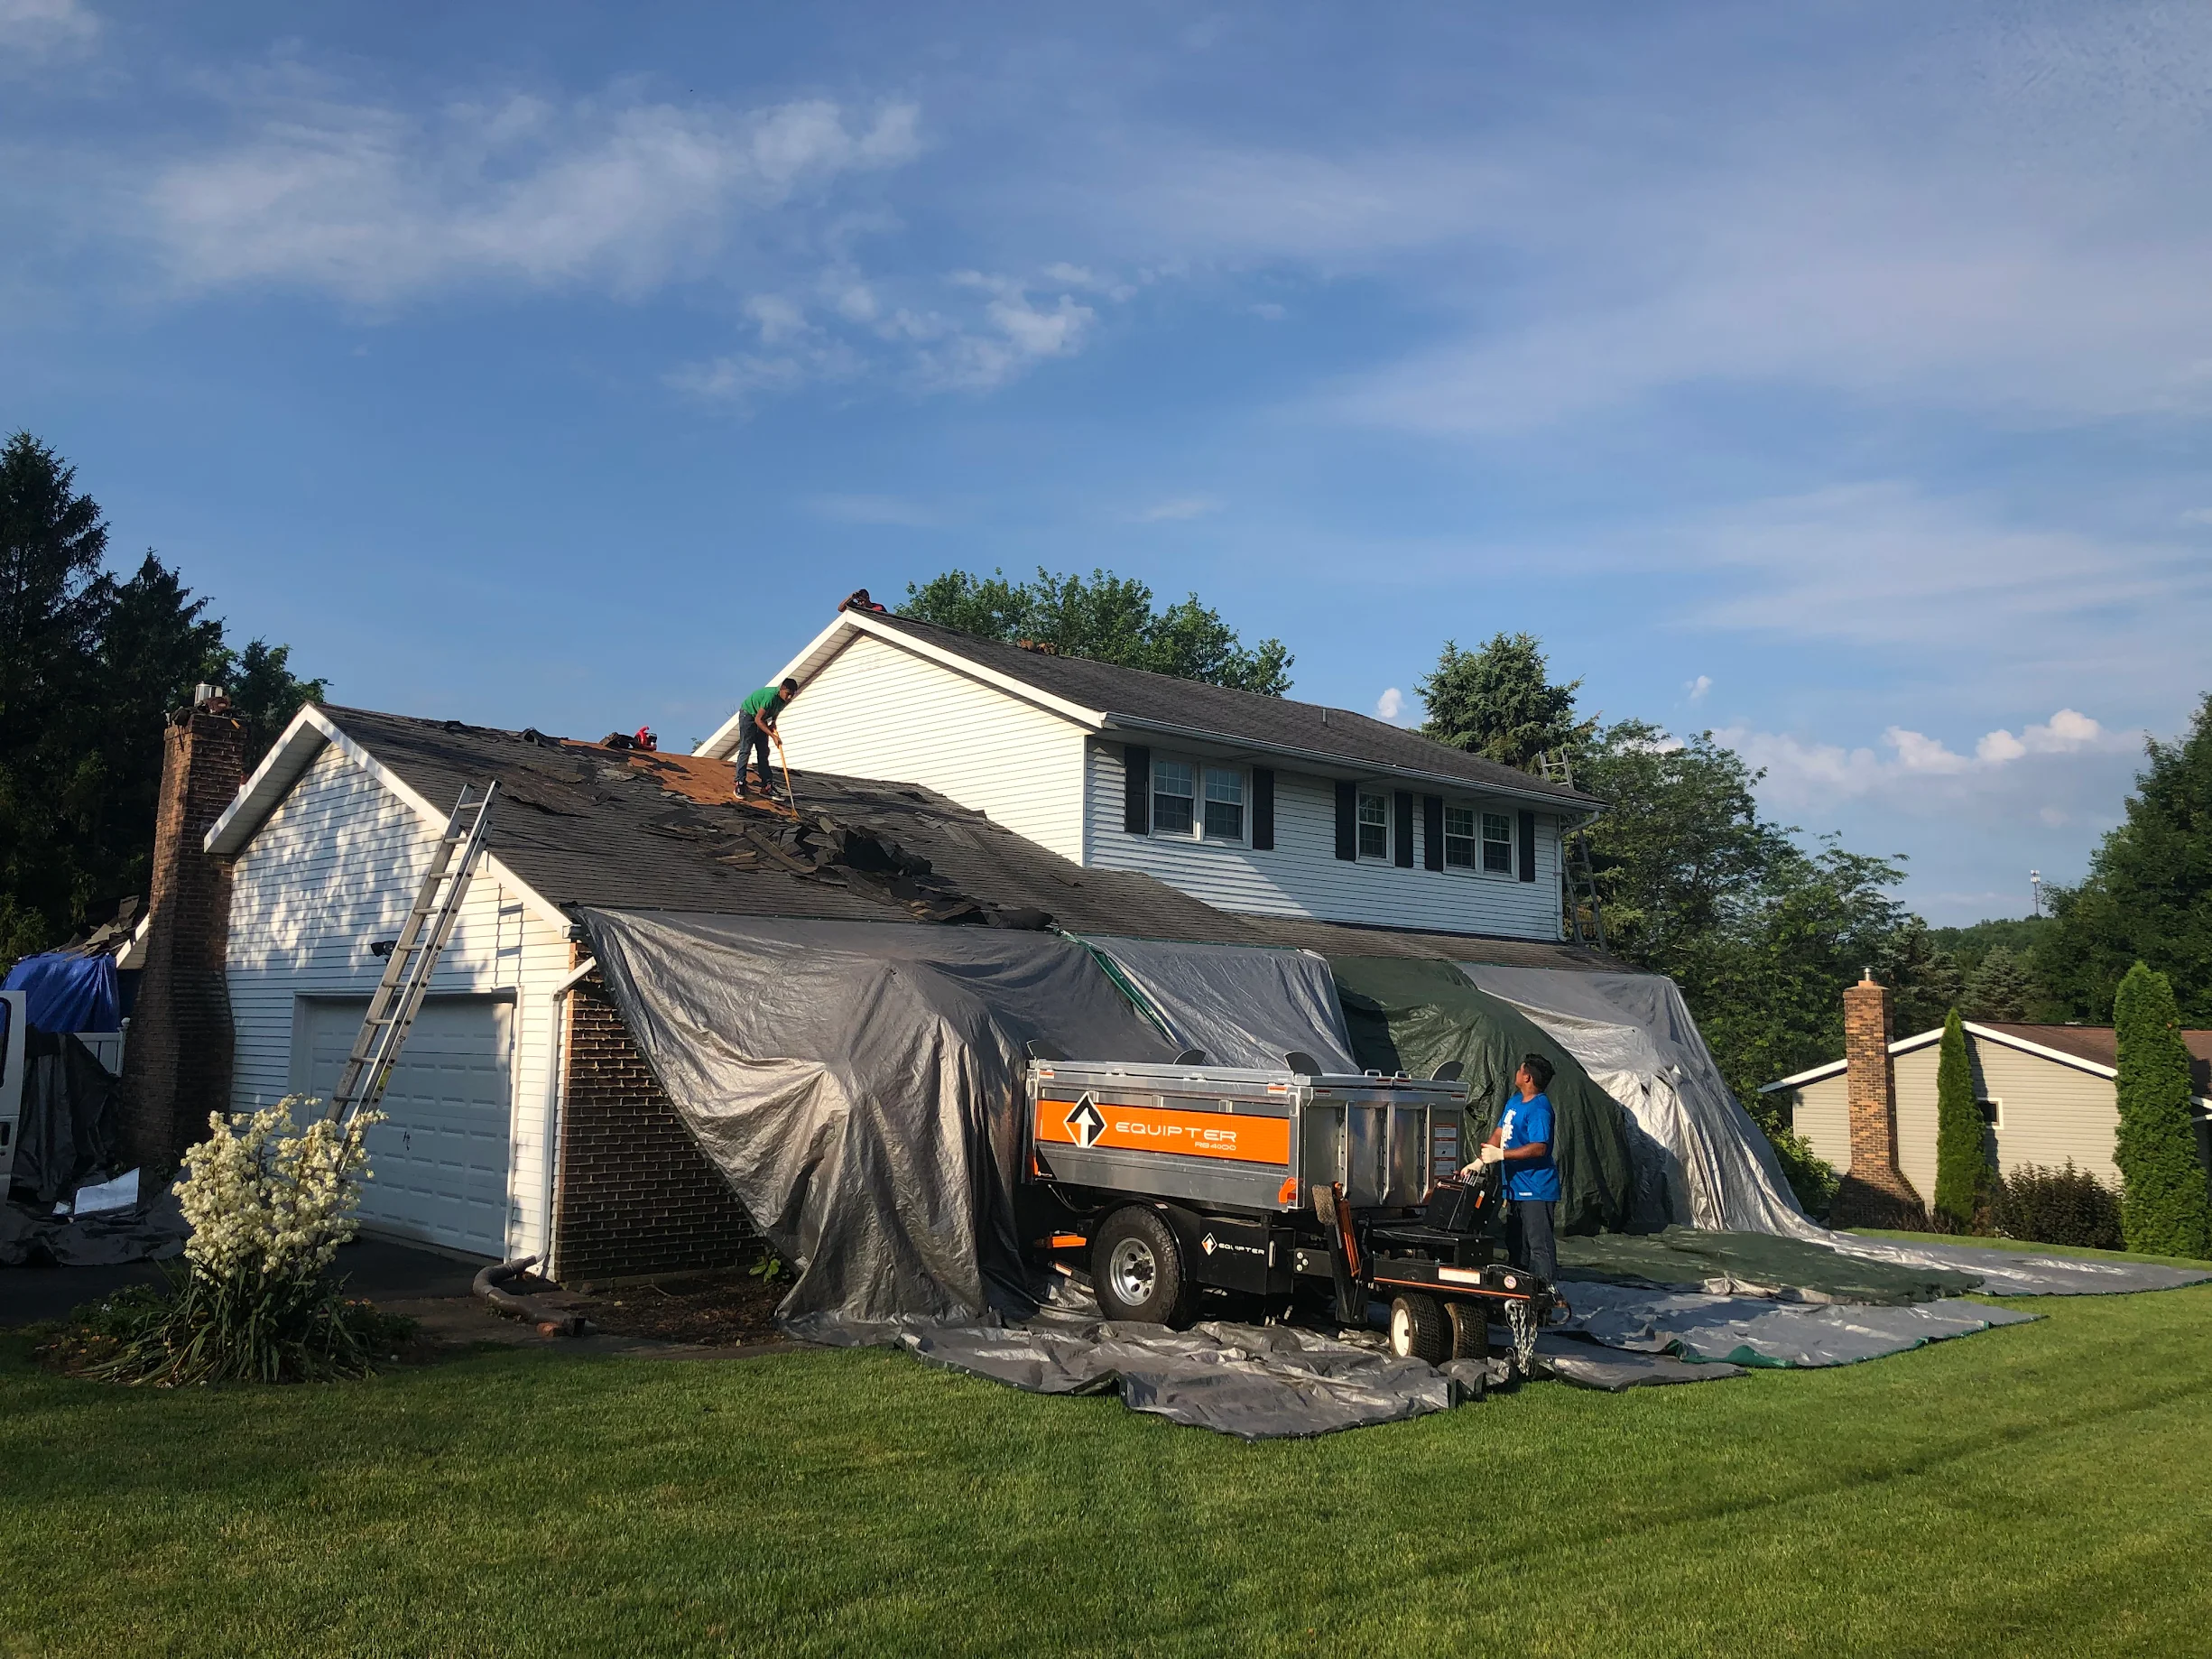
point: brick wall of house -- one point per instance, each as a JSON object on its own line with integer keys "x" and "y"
{"x": 635, "y": 1195}
{"x": 1874, "y": 1191}
{"x": 176, "y": 1065}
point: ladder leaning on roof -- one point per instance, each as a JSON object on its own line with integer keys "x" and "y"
{"x": 407, "y": 970}
{"x": 1578, "y": 875}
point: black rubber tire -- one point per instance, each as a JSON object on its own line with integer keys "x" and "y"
{"x": 1417, "y": 1328}
{"x": 1137, "y": 1270}
{"x": 1470, "y": 1329}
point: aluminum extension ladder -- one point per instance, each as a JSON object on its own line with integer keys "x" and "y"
{"x": 1578, "y": 875}
{"x": 407, "y": 971}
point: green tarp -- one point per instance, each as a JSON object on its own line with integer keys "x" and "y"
{"x": 1755, "y": 1263}
{"x": 1412, "y": 1016}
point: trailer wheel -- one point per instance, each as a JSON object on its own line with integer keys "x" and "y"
{"x": 1137, "y": 1270}
{"x": 1470, "y": 1330}
{"x": 1417, "y": 1329}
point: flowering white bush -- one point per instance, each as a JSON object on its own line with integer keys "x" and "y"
{"x": 270, "y": 1203}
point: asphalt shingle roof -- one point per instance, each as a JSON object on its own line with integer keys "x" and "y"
{"x": 1355, "y": 740}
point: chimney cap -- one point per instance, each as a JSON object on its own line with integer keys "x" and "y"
{"x": 1866, "y": 976}
{"x": 203, "y": 694}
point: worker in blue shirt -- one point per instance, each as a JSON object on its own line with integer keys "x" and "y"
{"x": 1523, "y": 1143}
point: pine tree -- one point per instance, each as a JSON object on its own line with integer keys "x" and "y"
{"x": 1499, "y": 702}
{"x": 2001, "y": 987}
{"x": 1962, "y": 1167}
{"x": 2165, "y": 1207}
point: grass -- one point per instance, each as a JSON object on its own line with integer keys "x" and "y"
{"x": 2040, "y": 1489}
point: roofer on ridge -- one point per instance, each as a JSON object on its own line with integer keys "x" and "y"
{"x": 756, "y": 726}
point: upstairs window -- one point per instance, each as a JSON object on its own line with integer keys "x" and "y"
{"x": 1458, "y": 838}
{"x": 1374, "y": 825}
{"x": 1171, "y": 797}
{"x": 1497, "y": 843}
{"x": 1224, "y": 804}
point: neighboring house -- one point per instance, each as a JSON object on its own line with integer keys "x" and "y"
{"x": 522, "y": 1120}
{"x": 2046, "y": 1094}
{"x": 1256, "y": 804}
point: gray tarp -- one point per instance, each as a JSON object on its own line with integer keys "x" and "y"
{"x": 860, "y": 1085}
{"x": 1635, "y": 1035}
{"x": 1243, "y": 1004}
{"x": 2024, "y": 1272}
{"x": 1753, "y": 1331}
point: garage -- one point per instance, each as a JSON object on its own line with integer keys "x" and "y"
{"x": 439, "y": 1159}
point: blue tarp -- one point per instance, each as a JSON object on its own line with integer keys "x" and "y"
{"x": 68, "y": 993}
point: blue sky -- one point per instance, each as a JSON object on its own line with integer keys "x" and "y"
{"x": 1833, "y": 376}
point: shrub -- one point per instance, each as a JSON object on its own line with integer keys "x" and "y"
{"x": 1962, "y": 1167}
{"x": 2165, "y": 1207}
{"x": 268, "y": 1208}
{"x": 1812, "y": 1178}
{"x": 2056, "y": 1206}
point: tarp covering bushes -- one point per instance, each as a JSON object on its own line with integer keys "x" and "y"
{"x": 1633, "y": 1034}
{"x": 860, "y": 1085}
{"x": 1242, "y": 1005}
{"x": 1408, "y": 1015}
{"x": 65, "y": 991}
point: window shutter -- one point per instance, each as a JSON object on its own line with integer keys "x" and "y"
{"x": 1432, "y": 832}
{"x": 1347, "y": 821}
{"x": 1402, "y": 829}
{"x": 1528, "y": 847}
{"x": 1263, "y": 809}
{"x": 1136, "y": 789}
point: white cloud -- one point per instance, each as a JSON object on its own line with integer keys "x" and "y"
{"x": 34, "y": 28}
{"x": 1697, "y": 688}
{"x": 1390, "y": 705}
{"x": 874, "y": 510}
{"x": 374, "y": 205}
{"x": 1267, "y": 310}
{"x": 1179, "y": 507}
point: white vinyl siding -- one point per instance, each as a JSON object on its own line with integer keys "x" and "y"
{"x": 878, "y": 711}
{"x": 1303, "y": 875}
{"x": 2052, "y": 1112}
{"x": 334, "y": 869}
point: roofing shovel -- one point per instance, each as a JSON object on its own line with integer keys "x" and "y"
{"x": 792, "y": 795}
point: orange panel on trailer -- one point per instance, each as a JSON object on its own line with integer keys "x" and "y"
{"x": 1091, "y": 1122}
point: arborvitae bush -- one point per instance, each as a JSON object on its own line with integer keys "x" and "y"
{"x": 1962, "y": 1167}
{"x": 2056, "y": 1206}
{"x": 2165, "y": 1209}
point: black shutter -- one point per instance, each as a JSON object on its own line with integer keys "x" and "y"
{"x": 1528, "y": 847}
{"x": 1263, "y": 809}
{"x": 1347, "y": 821}
{"x": 1136, "y": 789}
{"x": 1432, "y": 832}
{"x": 1405, "y": 827}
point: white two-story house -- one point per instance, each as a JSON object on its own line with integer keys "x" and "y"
{"x": 1254, "y": 804}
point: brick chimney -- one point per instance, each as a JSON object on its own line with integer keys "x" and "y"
{"x": 1874, "y": 1191}
{"x": 176, "y": 1063}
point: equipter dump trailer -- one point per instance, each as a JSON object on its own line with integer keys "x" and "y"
{"x": 1170, "y": 1183}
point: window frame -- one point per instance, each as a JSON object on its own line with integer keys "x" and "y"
{"x": 1479, "y": 813}
{"x": 1992, "y": 1108}
{"x": 1509, "y": 871}
{"x": 1360, "y": 797}
{"x": 1199, "y": 765}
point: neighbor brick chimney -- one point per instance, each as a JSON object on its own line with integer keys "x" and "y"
{"x": 1874, "y": 1191}
{"x": 176, "y": 1061}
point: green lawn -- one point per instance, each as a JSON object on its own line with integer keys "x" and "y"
{"x": 2042, "y": 1488}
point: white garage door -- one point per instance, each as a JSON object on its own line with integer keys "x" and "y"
{"x": 440, "y": 1158}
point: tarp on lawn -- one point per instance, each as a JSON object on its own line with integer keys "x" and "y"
{"x": 1749, "y": 1331}
{"x": 1635, "y": 1036}
{"x": 1757, "y": 1264}
{"x": 860, "y": 1084}
{"x": 64, "y": 992}
{"x": 1242, "y": 1005}
{"x": 1408, "y": 1015}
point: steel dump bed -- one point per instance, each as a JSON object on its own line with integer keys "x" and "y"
{"x": 1245, "y": 1140}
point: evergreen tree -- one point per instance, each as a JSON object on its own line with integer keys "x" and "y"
{"x": 1499, "y": 702}
{"x": 1106, "y": 618}
{"x": 2148, "y": 896}
{"x": 2001, "y": 987}
{"x": 2165, "y": 1207}
{"x": 1962, "y": 1165}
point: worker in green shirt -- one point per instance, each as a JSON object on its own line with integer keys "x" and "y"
{"x": 757, "y": 724}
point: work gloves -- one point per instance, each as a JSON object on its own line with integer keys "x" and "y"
{"x": 1493, "y": 1155}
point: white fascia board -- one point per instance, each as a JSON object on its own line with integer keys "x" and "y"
{"x": 809, "y": 662}
{"x": 295, "y": 750}
{"x": 1351, "y": 766}
{"x": 2039, "y": 1050}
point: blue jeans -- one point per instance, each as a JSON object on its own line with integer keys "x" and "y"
{"x": 753, "y": 738}
{"x": 1529, "y": 1240}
